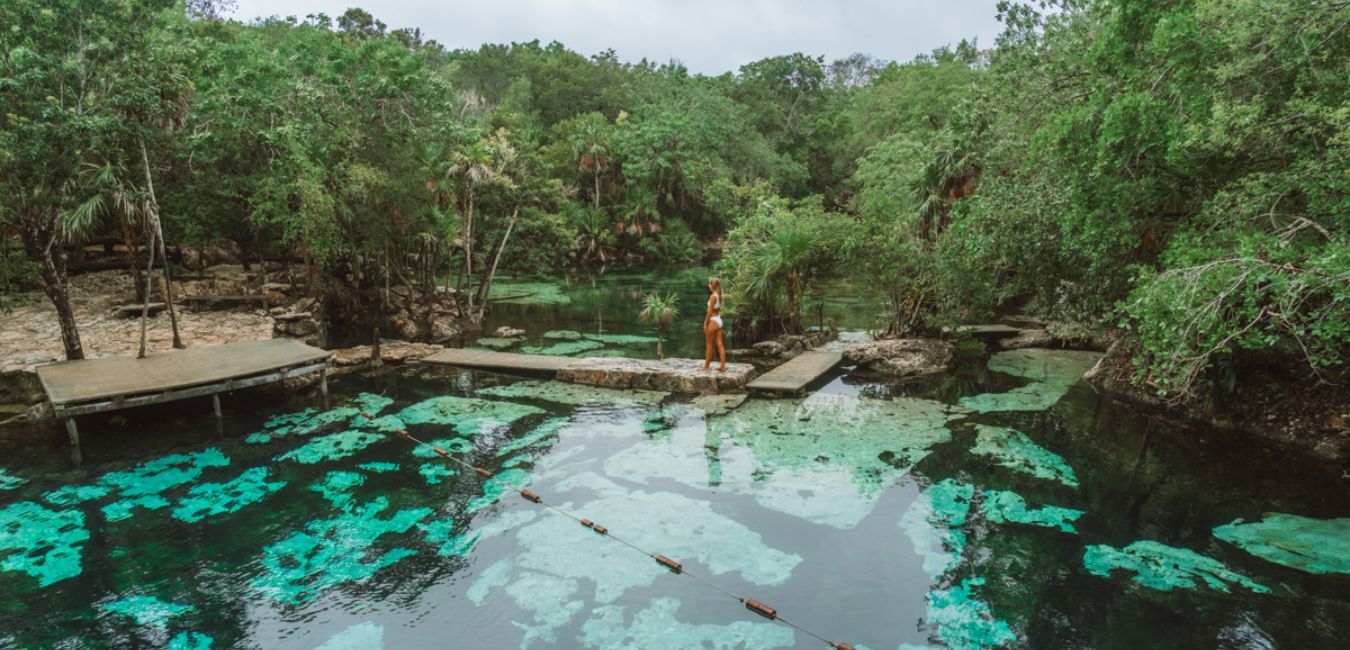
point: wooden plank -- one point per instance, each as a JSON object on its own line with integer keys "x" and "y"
{"x": 797, "y": 372}
{"x": 88, "y": 380}
{"x": 499, "y": 360}
{"x": 119, "y": 403}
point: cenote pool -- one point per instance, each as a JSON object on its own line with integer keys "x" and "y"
{"x": 1004, "y": 505}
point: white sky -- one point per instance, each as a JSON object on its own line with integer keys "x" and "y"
{"x": 708, "y": 36}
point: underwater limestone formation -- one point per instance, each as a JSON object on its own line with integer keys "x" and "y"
{"x": 378, "y": 467}
{"x": 1165, "y": 568}
{"x": 452, "y": 445}
{"x": 1053, "y": 373}
{"x": 142, "y": 486}
{"x": 719, "y": 404}
{"x": 962, "y": 622}
{"x": 443, "y": 532}
{"x": 190, "y": 641}
{"x": 337, "y": 487}
{"x": 333, "y": 446}
{"x": 1303, "y": 543}
{"x": 210, "y": 499}
{"x": 147, "y": 611}
{"x": 621, "y": 339}
{"x": 362, "y": 636}
{"x": 70, "y": 495}
{"x": 372, "y": 403}
{"x": 552, "y": 575}
{"x": 501, "y": 483}
{"x": 825, "y": 458}
{"x": 657, "y": 628}
{"x": 528, "y": 293}
{"x": 434, "y": 473}
{"x": 565, "y": 335}
{"x": 1002, "y": 506}
{"x": 902, "y": 357}
{"x": 41, "y": 542}
{"x": 545, "y": 431}
{"x": 564, "y": 349}
{"x": 467, "y": 415}
{"x": 9, "y": 481}
{"x": 560, "y": 392}
{"x": 330, "y": 552}
{"x": 303, "y": 423}
{"x": 933, "y": 523}
{"x": 1014, "y": 450}
{"x": 668, "y": 375}
{"x": 499, "y": 342}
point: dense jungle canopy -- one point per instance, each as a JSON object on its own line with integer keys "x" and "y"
{"x": 1176, "y": 168}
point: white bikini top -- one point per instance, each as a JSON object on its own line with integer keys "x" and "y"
{"x": 717, "y": 302}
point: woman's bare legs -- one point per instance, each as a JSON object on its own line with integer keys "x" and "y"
{"x": 708, "y": 341}
{"x": 721, "y": 350}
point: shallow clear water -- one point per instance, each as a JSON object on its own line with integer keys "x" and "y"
{"x": 888, "y": 516}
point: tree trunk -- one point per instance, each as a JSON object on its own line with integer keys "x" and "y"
{"x": 492, "y": 270}
{"x": 40, "y": 244}
{"x": 468, "y": 250}
{"x": 661, "y": 341}
{"x": 163, "y": 255}
{"x": 597, "y": 188}
{"x": 133, "y": 259}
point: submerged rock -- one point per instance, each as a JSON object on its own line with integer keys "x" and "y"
{"x": 573, "y": 394}
{"x": 669, "y": 375}
{"x": 961, "y": 622}
{"x": 657, "y": 628}
{"x": 1014, "y": 450}
{"x": 41, "y": 542}
{"x": 1303, "y": 543}
{"x": 146, "y": 610}
{"x": 1165, "y": 568}
{"x": 1002, "y": 506}
{"x": 901, "y": 357}
{"x": 933, "y": 523}
{"x": 1052, "y": 373}
{"x": 507, "y": 332}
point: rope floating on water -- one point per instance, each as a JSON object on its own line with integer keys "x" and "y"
{"x": 672, "y": 565}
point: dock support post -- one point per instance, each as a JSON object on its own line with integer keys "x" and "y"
{"x": 74, "y": 433}
{"x": 220, "y": 420}
{"x": 323, "y": 386}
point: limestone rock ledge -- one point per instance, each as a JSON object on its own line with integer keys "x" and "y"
{"x": 669, "y": 375}
{"x": 902, "y": 357}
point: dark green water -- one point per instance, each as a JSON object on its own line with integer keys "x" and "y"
{"x": 888, "y": 516}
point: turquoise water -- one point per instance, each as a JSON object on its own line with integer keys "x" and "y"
{"x": 1004, "y": 505}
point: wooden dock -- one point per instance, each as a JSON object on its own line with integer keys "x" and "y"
{"x": 801, "y": 370}
{"x": 112, "y": 383}
{"x": 509, "y": 361}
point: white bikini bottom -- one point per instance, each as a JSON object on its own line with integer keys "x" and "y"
{"x": 718, "y": 320}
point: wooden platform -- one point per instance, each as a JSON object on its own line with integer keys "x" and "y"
{"x": 110, "y": 383}
{"x": 801, "y": 370}
{"x": 533, "y": 363}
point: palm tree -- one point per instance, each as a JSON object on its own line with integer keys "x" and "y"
{"x": 945, "y": 178}
{"x": 471, "y": 165}
{"x": 658, "y": 309}
{"x": 591, "y": 146}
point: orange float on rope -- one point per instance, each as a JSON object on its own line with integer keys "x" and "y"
{"x": 761, "y": 609}
{"x": 600, "y": 529}
{"x": 530, "y": 496}
{"x": 843, "y": 646}
{"x": 675, "y": 567}
{"x": 483, "y": 473}
{"x": 587, "y": 523}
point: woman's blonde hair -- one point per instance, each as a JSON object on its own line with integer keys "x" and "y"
{"x": 716, "y": 285}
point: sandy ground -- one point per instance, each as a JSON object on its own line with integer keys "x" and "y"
{"x": 30, "y": 334}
